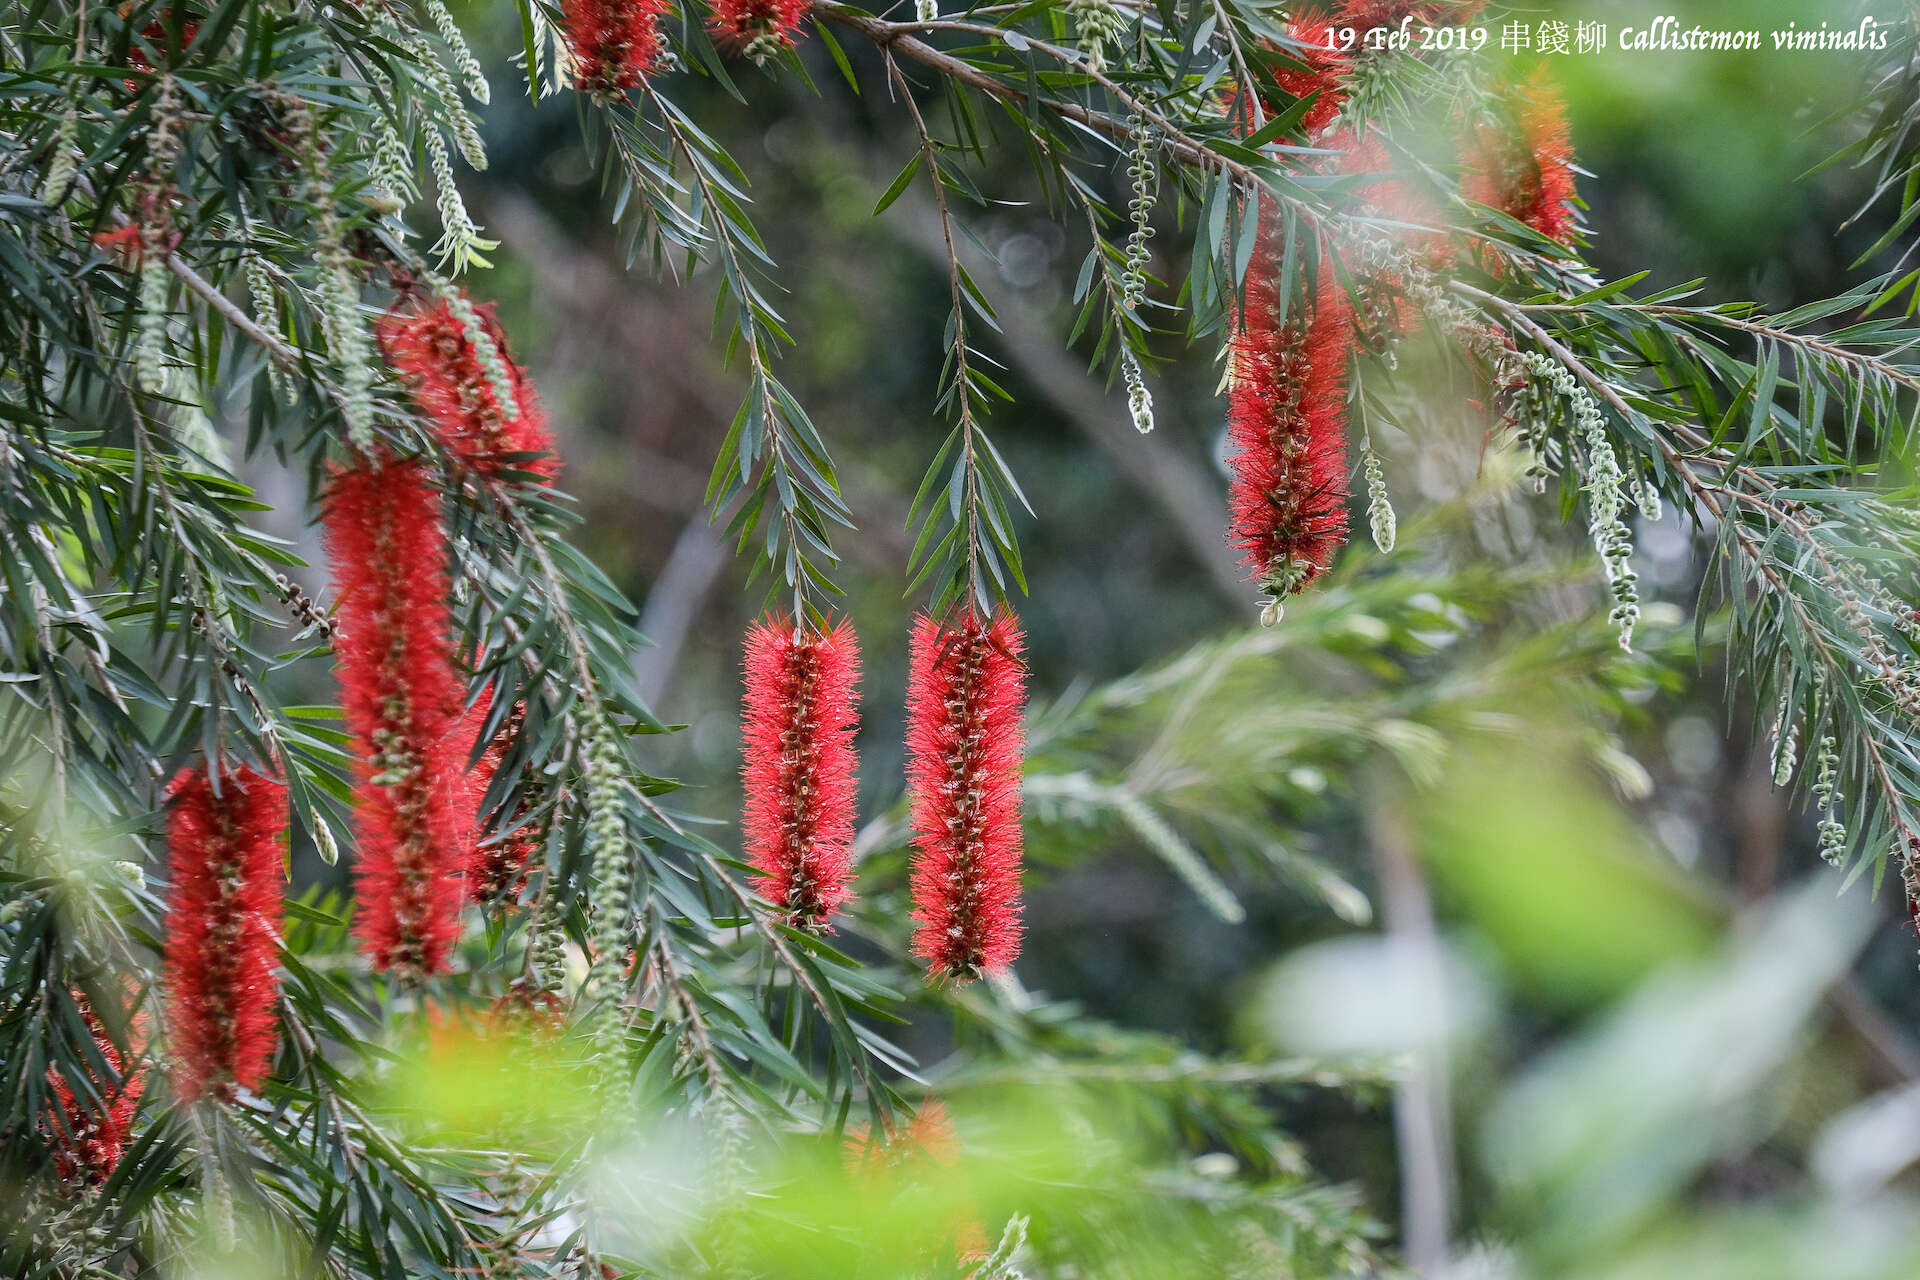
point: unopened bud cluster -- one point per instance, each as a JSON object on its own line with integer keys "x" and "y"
{"x": 1786, "y": 744}
{"x": 1833, "y": 832}
{"x": 1100, "y": 24}
{"x": 610, "y": 850}
{"x": 1144, "y": 176}
{"x": 1139, "y": 399}
{"x": 1380, "y": 517}
{"x": 1606, "y": 492}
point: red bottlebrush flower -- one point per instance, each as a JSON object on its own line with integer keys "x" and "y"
{"x": 965, "y": 745}
{"x": 927, "y": 1139}
{"x": 430, "y": 348}
{"x": 1524, "y": 167}
{"x": 1323, "y": 73}
{"x": 797, "y": 721}
{"x": 223, "y": 924}
{"x": 757, "y": 28}
{"x": 1286, "y": 418}
{"x": 126, "y": 243}
{"x": 402, "y": 698}
{"x": 497, "y": 866}
{"x": 157, "y": 35}
{"x": 90, "y": 1130}
{"x": 926, "y": 1146}
{"x": 616, "y": 44}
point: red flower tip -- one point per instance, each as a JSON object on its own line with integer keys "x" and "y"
{"x": 616, "y": 44}
{"x": 756, "y": 27}
{"x": 223, "y": 923}
{"x": 497, "y": 865}
{"x": 431, "y": 350}
{"x": 1524, "y": 168}
{"x": 90, "y": 1130}
{"x": 126, "y": 243}
{"x": 1286, "y": 418}
{"x": 797, "y": 721}
{"x": 965, "y": 744}
{"x": 402, "y": 698}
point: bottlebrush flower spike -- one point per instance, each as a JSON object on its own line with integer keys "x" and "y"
{"x": 965, "y": 743}
{"x": 798, "y": 717}
{"x": 1324, "y": 73}
{"x": 89, "y": 1130}
{"x": 460, "y": 386}
{"x": 223, "y": 924}
{"x": 1524, "y": 168}
{"x": 497, "y": 866}
{"x": 616, "y": 44}
{"x": 402, "y": 698}
{"x": 757, "y": 28}
{"x": 1286, "y": 418}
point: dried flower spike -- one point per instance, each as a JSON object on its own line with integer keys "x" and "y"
{"x": 965, "y": 744}
{"x": 1286, "y": 418}
{"x": 225, "y": 837}
{"x": 616, "y": 44}
{"x": 798, "y": 718}
{"x": 402, "y": 698}
{"x": 481, "y": 405}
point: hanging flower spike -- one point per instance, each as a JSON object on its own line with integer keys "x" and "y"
{"x": 965, "y": 744}
{"x": 90, "y": 1131}
{"x": 497, "y": 865}
{"x": 758, "y": 29}
{"x": 223, "y": 921}
{"x": 481, "y": 405}
{"x": 1525, "y": 169}
{"x": 1286, "y": 418}
{"x": 1323, "y": 73}
{"x": 798, "y": 717}
{"x": 615, "y": 44}
{"x": 402, "y": 698}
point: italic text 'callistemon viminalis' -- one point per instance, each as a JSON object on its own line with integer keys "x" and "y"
{"x": 798, "y": 717}
{"x": 224, "y": 837}
{"x": 965, "y": 695}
